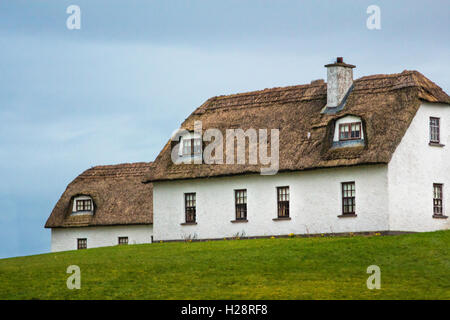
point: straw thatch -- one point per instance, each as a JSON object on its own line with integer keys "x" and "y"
{"x": 120, "y": 197}
{"x": 386, "y": 104}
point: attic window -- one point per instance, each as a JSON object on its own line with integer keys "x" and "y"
{"x": 82, "y": 205}
{"x": 192, "y": 146}
{"x": 350, "y": 131}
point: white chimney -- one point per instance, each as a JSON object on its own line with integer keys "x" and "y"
{"x": 339, "y": 81}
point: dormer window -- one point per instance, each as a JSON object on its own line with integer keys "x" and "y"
{"x": 350, "y": 131}
{"x": 82, "y": 205}
{"x": 192, "y": 146}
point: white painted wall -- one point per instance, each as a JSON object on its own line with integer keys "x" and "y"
{"x": 315, "y": 203}
{"x": 64, "y": 239}
{"x": 413, "y": 169}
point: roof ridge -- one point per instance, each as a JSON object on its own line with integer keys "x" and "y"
{"x": 268, "y": 90}
{"x": 310, "y": 85}
{"x": 388, "y": 75}
{"x": 116, "y": 170}
{"x": 124, "y": 164}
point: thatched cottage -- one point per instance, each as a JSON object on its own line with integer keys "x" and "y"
{"x": 361, "y": 155}
{"x": 104, "y": 206}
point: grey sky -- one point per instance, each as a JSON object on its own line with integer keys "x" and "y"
{"x": 115, "y": 90}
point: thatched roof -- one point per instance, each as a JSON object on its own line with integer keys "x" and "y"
{"x": 120, "y": 197}
{"x": 386, "y": 104}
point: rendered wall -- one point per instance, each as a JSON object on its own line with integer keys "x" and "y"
{"x": 315, "y": 204}
{"x": 413, "y": 169}
{"x": 66, "y": 238}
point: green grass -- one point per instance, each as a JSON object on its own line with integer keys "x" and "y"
{"x": 414, "y": 266}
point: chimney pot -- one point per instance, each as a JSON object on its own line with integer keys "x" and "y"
{"x": 340, "y": 60}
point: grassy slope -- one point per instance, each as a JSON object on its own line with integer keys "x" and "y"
{"x": 414, "y": 266}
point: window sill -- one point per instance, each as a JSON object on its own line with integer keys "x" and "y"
{"x": 281, "y": 218}
{"x": 348, "y": 143}
{"x": 439, "y": 216}
{"x": 349, "y": 215}
{"x": 436, "y": 144}
{"x": 82, "y": 213}
{"x": 239, "y": 221}
{"x": 188, "y": 223}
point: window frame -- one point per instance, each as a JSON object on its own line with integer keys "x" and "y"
{"x": 195, "y": 147}
{"x": 435, "y": 130}
{"x": 81, "y": 243}
{"x": 438, "y": 203}
{"x": 283, "y": 204}
{"x": 352, "y": 197}
{"x": 81, "y": 205}
{"x": 240, "y": 208}
{"x": 349, "y": 125}
{"x": 190, "y": 207}
{"x": 122, "y": 240}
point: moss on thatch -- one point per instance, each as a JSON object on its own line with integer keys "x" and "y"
{"x": 386, "y": 104}
{"x": 120, "y": 197}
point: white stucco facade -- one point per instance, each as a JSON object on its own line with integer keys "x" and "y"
{"x": 315, "y": 204}
{"x": 413, "y": 169}
{"x": 393, "y": 197}
{"x": 64, "y": 239}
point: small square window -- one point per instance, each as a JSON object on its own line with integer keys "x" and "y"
{"x": 192, "y": 147}
{"x": 84, "y": 205}
{"x": 81, "y": 243}
{"x": 123, "y": 240}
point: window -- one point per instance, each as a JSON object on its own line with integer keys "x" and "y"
{"x": 437, "y": 199}
{"x": 434, "y": 130}
{"x": 84, "y": 205}
{"x": 348, "y": 198}
{"x": 283, "y": 202}
{"x": 189, "y": 204}
{"x": 123, "y": 240}
{"x": 192, "y": 147}
{"x": 187, "y": 146}
{"x": 241, "y": 204}
{"x": 350, "y": 131}
{"x": 82, "y": 243}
